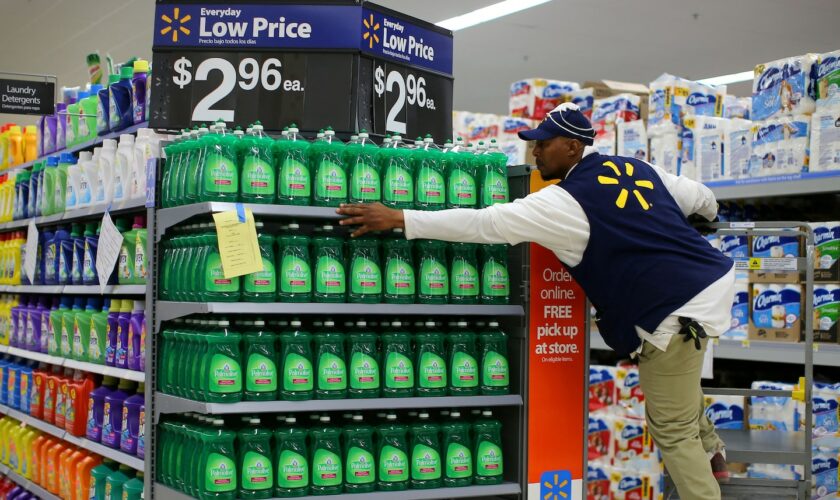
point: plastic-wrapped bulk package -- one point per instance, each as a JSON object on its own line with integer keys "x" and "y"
{"x": 665, "y": 152}
{"x": 828, "y": 80}
{"x": 632, "y": 140}
{"x": 737, "y": 148}
{"x": 825, "y": 139}
{"x": 534, "y": 97}
{"x": 781, "y": 146}
{"x": 785, "y": 87}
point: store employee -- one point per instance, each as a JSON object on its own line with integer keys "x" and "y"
{"x": 660, "y": 289}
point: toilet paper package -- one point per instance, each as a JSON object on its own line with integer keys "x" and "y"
{"x": 774, "y": 471}
{"x": 632, "y": 139}
{"x": 826, "y": 244}
{"x": 828, "y": 79}
{"x": 740, "y": 313}
{"x": 659, "y": 105}
{"x": 605, "y": 139}
{"x": 665, "y": 152}
{"x": 825, "y": 139}
{"x": 598, "y": 480}
{"x": 768, "y": 413}
{"x": 736, "y": 107}
{"x": 474, "y": 127}
{"x": 775, "y": 246}
{"x": 824, "y": 473}
{"x": 695, "y": 99}
{"x": 510, "y": 126}
{"x": 629, "y": 393}
{"x": 708, "y": 153}
{"x": 726, "y": 412}
{"x": 631, "y": 439}
{"x": 516, "y": 151}
{"x": 737, "y": 148}
{"x": 691, "y": 126}
{"x": 826, "y": 404}
{"x": 734, "y": 246}
{"x": 826, "y": 309}
{"x": 585, "y": 100}
{"x": 784, "y": 87}
{"x": 631, "y": 484}
{"x": 776, "y": 306}
{"x": 602, "y": 387}
{"x": 781, "y": 146}
{"x": 534, "y": 97}
{"x": 614, "y": 109}
{"x": 713, "y": 239}
{"x": 600, "y": 436}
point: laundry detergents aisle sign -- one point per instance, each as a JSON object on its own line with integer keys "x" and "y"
{"x": 341, "y": 64}
{"x": 557, "y": 377}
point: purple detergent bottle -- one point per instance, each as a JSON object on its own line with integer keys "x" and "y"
{"x": 131, "y": 420}
{"x": 137, "y": 337}
{"x": 113, "y": 320}
{"x": 123, "y": 320}
{"x": 33, "y": 324}
{"x": 112, "y": 414}
{"x": 13, "y": 323}
{"x": 96, "y": 408}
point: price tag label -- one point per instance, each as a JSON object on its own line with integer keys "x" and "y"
{"x": 745, "y": 343}
{"x": 30, "y": 259}
{"x": 108, "y": 250}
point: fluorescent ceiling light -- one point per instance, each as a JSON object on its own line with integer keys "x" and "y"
{"x": 744, "y": 76}
{"x": 488, "y": 13}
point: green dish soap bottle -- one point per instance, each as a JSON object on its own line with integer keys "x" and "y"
{"x": 434, "y": 273}
{"x": 392, "y": 450}
{"x": 331, "y": 369}
{"x": 397, "y": 174}
{"x": 365, "y": 381}
{"x": 293, "y": 261}
{"x": 258, "y": 174}
{"x": 256, "y": 465}
{"x": 220, "y": 175}
{"x": 456, "y": 443}
{"x": 365, "y": 182}
{"x": 489, "y": 462}
{"x": 294, "y": 177}
{"x": 430, "y": 185}
{"x": 492, "y": 172}
{"x": 461, "y": 185}
{"x": 292, "y": 458}
{"x": 400, "y": 280}
{"x": 359, "y": 464}
{"x": 495, "y": 371}
{"x": 217, "y": 287}
{"x": 260, "y": 366}
{"x": 463, "y": 367}
{"x": 223, "y": 377}
{"x": 217, "y": 463}
{"x": 426, "y": 467}
{"x": 327, "y": 470}
{"x": 331, "y": 186}
{"x": 495, "y": 278}
{"x": 398, "y": 373}
{"x": 430, "y": 364}
{"x": 365, "y": 271}
{"x": 296, "y": 367}
{"x": 464, "y": 274}
{"x": 330, "y": 275}
{"x": 261, "y": 286}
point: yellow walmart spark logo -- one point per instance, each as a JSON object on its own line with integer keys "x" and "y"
{"x": 556, "y": 485}
{"x": 371, "y": 27}
{"x": 621, "y": 201}
{"x": 176, "y": 24}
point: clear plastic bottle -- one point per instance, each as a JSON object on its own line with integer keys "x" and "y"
{"x": 495, "y": 369}
{"x": 363, "y": 357}
{"x": 430, "y": 364}
{"x": 261, "y": 286}
{"x": 219, "y": 175}
{"x": 328, "y": 260}
{"x": 260, "y": 355}
{"x": 398, "y": 373}
{"x": 296, "y": 366}
{"x": 326, "y": 462}
{"x": 492, "y": 171}
{"x": 433, "y": 275}
{"x": 463, "y": 366}
{"x": 292, "y": 459}
{"x": 457, "y": 449}
{"x": 426, "y": 467}
{"x": 489, "y": 459}
{"x": 495, "y": 278}
{"x": 255, "y": 463}
{"x": 359, "y": 464}
{"x": 400, "y": 278}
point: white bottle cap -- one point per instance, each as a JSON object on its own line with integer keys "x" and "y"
{"x": 423, "y": 415}
{"x": 493, "y": 324}
{"x": 329, "y": 323}
{"x": 455, "y": 414}
{"x": 259, "y": 322}
{"x": 391, "y": 417}
{"x": 291, "y": 420}
{"x": 461, "y": 324}
{"x": 294, "y": 322}
{"x": 357, "y": 418}
{"x": 361, "y": 323}
{"x": 430, "y": 323}
{"x": 324, "y": 419}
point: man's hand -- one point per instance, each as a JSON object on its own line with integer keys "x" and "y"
{"x": 371, "y": 217}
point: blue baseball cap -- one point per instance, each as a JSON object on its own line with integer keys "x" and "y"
{"x": 565, "y": 120}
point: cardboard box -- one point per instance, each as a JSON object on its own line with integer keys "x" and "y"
{"x": 762, "y": 244}
{"x": 776, "y": 277}
{"x": 830, "y": 275}
{"x": 607, "y": 88}
{"x": 792, "y": 330}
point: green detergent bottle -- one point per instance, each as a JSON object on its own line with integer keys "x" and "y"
{"x": 365, "y": 181}
{"x": 294, "y": 177}
{"x": 400, "y": 280}
{"x": 430, "y": 171}
{"x": 330, "y": 275}
{"x": 217, "y": 288}
{"x": 98, "y": 334}
{"x": 495, "y": 278}
{"x": 296, "y": 367}
{"x": 292, "y": 459}
{"x": 397, "y": 174}
{"x": 430, "y": 364}
{"x": 489, "y": 462}
{"x": 398, "y": 358}
{"x": 365, "y": 381}
{"x": 359, "y": 462}
{"x": 172, "y": 154}
{"x": 223, "y": 376}
{"x": 461, "y": 184}
{"x": 116, "y": 480}
{"x": 261, "y": 286}
{"x": 295, "y": 278}
{"x": 187, "y": 188}
{"x": 331, "y": 364}
{"x": 255, "y": 461}
{"x": 258, "y": 167}
{"x": 133, "y": 488}
{"x": 260, "y": 366}
{"x": 463, "y": 366}
{"x": 464, "y": 283}
{"x": 82, "y": 328}
{"x": 426, "y": 467}
{"x": 495, "y": 371}
{"x": 99, "y": 476}
{"x": 220, "y": 175}
{"x": 217, "y": 463}
{"x": 331, "y": 185}
{"x": 434, "y": 273}
{"x": 492, "y": 172}
{"x": 392, "y": 452}
{"x": 365, "y": 271}
{"x": 326, "y": 462}
{"x": 456, "y": 444}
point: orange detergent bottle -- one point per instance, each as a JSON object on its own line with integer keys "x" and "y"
{"x": 35, "y": 458}
{"x": 50, "y": 395}
{"x": 78, "y": 391}
{"x": 52, "y": 465}
{"x": 63, "y": 457}
{"x": 36, "y": 400}
{"x": 61, "y": 399}
{"x": 41, "y": 479}
{"x": 68, "y": 471}
{"x": 82, "y": 475}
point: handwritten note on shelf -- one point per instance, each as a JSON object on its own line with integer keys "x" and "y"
{"x": 238, "y": 245}
{"x": 30, "y": 259}
{"x": 110, "y": 241}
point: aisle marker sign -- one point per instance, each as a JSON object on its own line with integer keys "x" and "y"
{"x": 30, "y": 260}
{"x": 107, "y": 251}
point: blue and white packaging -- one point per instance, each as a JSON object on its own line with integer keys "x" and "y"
{"x": 775, "y": 246}
{"x": 736, "y": 107}
{"x": 584, "y": 99}
{"x": 784, "y": 87}
{"x": 791, "y": 296}
{"x": 614, "y": 109}
{"x": 767, "y": 308}
{"x": 774, "y": 471}
{"x": 690, "y": 127}
{"x": 773, "y": 413}
{"x": 726, "y": 412}
{"x": 708, "y": 153}
{"x": 740, "y": 313}
{"x": 632, "y": 139}
{"x": 826, "y": 402}
{"x": 510, "y": 126}
{"x": 695, "y": 99}
{"x": 659, "y": 105}
{"x": 781, "y": 146}
{"x": 605, "y": 140}
{"x": 828, "y": 80}
{"x": 665, "y": 152}
{"x": 825, "y": 139}
{"x": 826, "y": 306}
{"x": 734, "y": 246}
{"x": 737, "y": 148}
{"x": 824, "y": 468}
{"x": 713, "y": 239}
{"x": 599, "y": 438}
{"x": 602, "y": 387}
{"x": 826, "y": 243}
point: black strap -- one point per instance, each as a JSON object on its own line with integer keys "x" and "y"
{"x": 692, "y": 330}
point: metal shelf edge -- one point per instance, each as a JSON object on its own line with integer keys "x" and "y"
{"x": 76, "y": 214}
{"x": 27, "y": 484}
{"x": 122, "y": 373}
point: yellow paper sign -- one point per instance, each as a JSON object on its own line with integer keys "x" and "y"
{"x": 238, "y": 245}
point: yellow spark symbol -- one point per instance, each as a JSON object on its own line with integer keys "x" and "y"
{"x": 372, "y": 28}
{"x": 621, "y": 200}
{"x": 557, "y": 484}
{"x": 176, "y": 18}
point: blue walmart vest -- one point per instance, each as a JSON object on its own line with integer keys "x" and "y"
{"x": 643, "y": 260}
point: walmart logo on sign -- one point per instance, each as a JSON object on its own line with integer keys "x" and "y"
{"x": 175, "y": 24}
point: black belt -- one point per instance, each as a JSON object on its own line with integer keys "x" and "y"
{"x": 692, "y": 330}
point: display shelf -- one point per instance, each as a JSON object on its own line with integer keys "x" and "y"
{"x": 76, "y": 289}
{"x": 165, "y": 403}
{"x": 765, "y": 447}
{"x": 122, "y": 373}
{"x": 74, "y": 215}
{"x": 746, "y": 487}
{"x": 116, "y": 455}
{"x": 778, "y": 185}
{"x": 171, "y": 310}
{"x": 165, "y": 493}
{"x": 168, "y": 217}
{"x": 27, "y": 484}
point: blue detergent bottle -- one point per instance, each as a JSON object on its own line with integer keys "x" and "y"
{"x": 103, "y": 106}
{"x": 120, "y": 112}
{"x": 41, "y": 269}
{"x": 51, "y": 257}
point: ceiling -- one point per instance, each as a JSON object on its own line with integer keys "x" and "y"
{"x": 564, "y": 39}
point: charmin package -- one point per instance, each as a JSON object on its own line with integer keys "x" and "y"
{"x": 695, "y": 99}
{"x": 737, "y": 148}
{"x": 631, "y": 484}
{"x": 605, "y": 140}
{"x": 584, "y": 98}
{"x": 740, "y": 313}
{"x": 828, "y": 79}
{"x": 824, "y": 473}
{"x": 774, "y": 471}
{"x": 632, "y": 139}
{"x": 659, "y": 105}
{"x": 773, "y": 413}
{"x": 475, "y": 127}
{"x": 826, "y": 404}
{"x": 631, "y": 439}
{"x": 776, "y": 306}
{"x": 602, "y": 389}
{"x": 510, "y": 126}
{"x": 598, "y": 480}
{"x": 726, "y": 412}
{"x": 535, "y": 97}
{"x": 665, "y": 152}
{"x": 825, "y": 139}
{"x": 826, "y": 306}
{"x": 784, "y": 87}
{"x": 734, "y": 246}
{"x": 781, "y": 145}
{"x": 629, "y": 390}
{"x": 600, "y": 436}
{"x": 736, "y": 107}
{"x": 826, "y": 243}
{"x": 614, "y": 109}
{"x": 775, "y": 246}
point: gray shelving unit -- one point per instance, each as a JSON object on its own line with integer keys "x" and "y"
{"x": 785, "y": 185}
{"x": 76, "y": 289}
{"x": 27, "y": 484}
{"x": 164, "y": 493}
{"x": 135, "y": 376}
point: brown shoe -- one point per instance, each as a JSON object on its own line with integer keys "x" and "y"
{"x": 719, "y": 469}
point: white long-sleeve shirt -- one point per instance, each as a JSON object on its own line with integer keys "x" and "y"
{"x": 552, "y": 218}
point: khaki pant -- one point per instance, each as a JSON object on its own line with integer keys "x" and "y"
{"x": 675, "y": 415}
